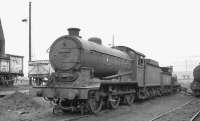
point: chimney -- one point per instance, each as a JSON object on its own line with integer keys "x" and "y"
{"x": 2, "y": 41}
{"x": 74, "y": 31}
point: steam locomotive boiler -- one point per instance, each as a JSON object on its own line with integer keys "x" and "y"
{"x": 89, "y": 75}
{"x": 69, "y": 53}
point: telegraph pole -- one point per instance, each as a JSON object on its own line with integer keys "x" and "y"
{"x": 29, "y": 20}
{"x": 186, "y": 65}
{"x": 29, "y": 35}
{"x": 113, "y": 40}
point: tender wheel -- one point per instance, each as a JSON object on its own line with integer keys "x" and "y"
{"x": 129, "y": 99}
{"x": 95, "y": 103}
{"x": 114, "y": 101}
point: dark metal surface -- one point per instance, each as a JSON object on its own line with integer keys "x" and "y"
{"x": 74, "y": 31}
{"x": 195, "y": 85}
{"x": 196, "y": 73}
{"x": 104, "y": 60}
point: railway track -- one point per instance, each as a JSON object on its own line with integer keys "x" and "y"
{"x": 4, "y": 93}
{"x": 165, "y": 113}
{"x": 74, "y": 118}
{"x": 196, "y": 117}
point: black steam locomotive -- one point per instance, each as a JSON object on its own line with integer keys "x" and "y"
{"x": 89, "y": 75}
{"x": 195, "y": 85}
{"x": 11, "y": 66}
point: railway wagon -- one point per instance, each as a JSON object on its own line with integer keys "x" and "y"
{"x": 39, "y": 71}
{"x": 11, "y": 66}
{"x": 89, "y": 75}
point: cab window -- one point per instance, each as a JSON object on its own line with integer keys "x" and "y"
{"x": 141, "y": 61}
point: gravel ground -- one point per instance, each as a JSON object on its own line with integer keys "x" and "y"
{"x": 17, "y": 104}
{"x": 144, "y": 111}
{"x": 140, "y": 111}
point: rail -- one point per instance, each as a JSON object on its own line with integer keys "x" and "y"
{"x": 4, "y": 93}
{"x": 75, "y": 118}
{"x": 165, "y": 113}
{"x": 195, "y": 116}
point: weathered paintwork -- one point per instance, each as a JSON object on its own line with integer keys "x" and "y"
{"x": 166, "y": 79}
{"x": 152, "y": 75}
{"x": 16, "y": 64}
{"x": 71, "y": 53}
{"x": 88, "y": 71}
{"x": 12, "y": 64}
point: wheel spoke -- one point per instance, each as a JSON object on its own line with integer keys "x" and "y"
{"x": 129, "y": 99}
{"x": 95, "y": 104}
{"x": 114, "y": 102}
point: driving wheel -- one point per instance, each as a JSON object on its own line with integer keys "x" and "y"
{"x": 114, "y": 101}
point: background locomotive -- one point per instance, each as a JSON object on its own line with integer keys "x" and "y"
{"x": 195, "y": 85}
{"x": 11, "y": 66}
{"x": 89, "y": 75}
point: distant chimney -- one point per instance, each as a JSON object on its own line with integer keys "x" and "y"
{"x": 2, "y": 41}
{"x": 74, "y": 31}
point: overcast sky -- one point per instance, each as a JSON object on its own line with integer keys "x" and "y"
{"x": 164, "y": 30}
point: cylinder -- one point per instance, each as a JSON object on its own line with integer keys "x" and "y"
{"x": 2, "y": 41}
